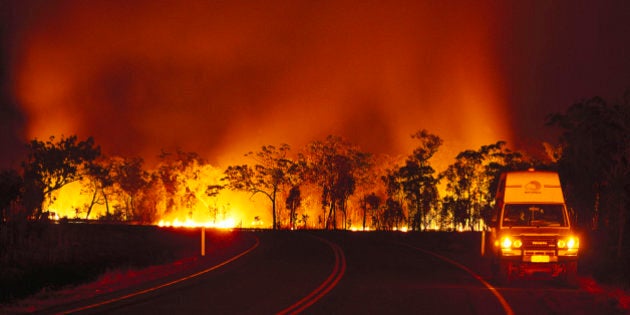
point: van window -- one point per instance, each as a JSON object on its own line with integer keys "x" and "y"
{"x": 537, "y": 215}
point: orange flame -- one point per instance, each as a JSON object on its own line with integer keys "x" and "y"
{"x": 223, "y": 224}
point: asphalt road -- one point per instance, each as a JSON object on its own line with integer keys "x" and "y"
{"x": 344, "y": 273}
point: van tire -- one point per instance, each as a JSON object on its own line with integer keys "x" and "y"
{"x": 502, "y": 273}
{"x": 570, "y": 273}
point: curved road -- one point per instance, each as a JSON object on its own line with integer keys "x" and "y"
{"x": 344, "y": 273}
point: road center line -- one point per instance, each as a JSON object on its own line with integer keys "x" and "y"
{"x": 337, "y": 273}
{"x": 504, "y": 303}
{"x": 124, "y": 297}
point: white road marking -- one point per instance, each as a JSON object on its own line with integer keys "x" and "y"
{"x": 504, "y": 303}
{"x": 124, "y": 297}
{"x": 337, "y": 273}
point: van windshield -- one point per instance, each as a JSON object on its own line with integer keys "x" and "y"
{"x": 537, "y": 215}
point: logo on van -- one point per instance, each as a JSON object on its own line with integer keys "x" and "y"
{"x": 533, "y": 187}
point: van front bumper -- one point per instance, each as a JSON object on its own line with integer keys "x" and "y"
{"x": 523, "y": 265}
{"x": 539, "y": 256}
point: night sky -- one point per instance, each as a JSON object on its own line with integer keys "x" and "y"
{"x": 222, "y": 78}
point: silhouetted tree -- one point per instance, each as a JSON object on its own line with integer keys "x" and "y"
{"x": 304, "y": 220}
{"x": 497, "y": 159}
{"x": 393, "y": 186}
{"x": 11, "y": 185}
{"x": 370, "y": 203}
{"x": 51, "y": 165}
{"x": 457, "y": 208}
{"x": 335, "y": 166}
{"x": 594, "y": 164}
{"x": 271, "y": 171}
{"x": 392, "y": 215}
{"x": 415, "y": 181}
{"x": 100, "y": 179}
{"x": 471, "y": 181}
{"x": 177, "y": 171}
{"x": 130, "y": 177}
{"x": 342, "y": 187}
{"x": 293, "y": 202}
{"x": 213, "y": 191}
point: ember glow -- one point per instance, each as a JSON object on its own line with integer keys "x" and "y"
{"x": 223, "y": 224}
{"x": 228, "y": 209}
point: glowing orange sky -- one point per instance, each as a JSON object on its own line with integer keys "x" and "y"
{"x": 224, "y": 78}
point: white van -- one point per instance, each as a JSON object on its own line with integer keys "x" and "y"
{"x": 530, "y": 231}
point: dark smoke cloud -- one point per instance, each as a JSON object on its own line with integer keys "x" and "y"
{"x": 149, "y": 104}
{"x": 558, "y": 53}
{"x": 224, "y": 78}
{"x": 12, "y": 120}
{"x": 12, "y": 139}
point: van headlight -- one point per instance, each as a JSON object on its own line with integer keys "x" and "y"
{"x": 570, "y": 242}
{"x": 508, "y": 242}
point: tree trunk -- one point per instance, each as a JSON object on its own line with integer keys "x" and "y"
{"x": 273, "y": 209}
{"x": 130, "y": 209}
{"x": 330, "y": 221}
{"x": 273, "y": 215}
{"x": 106, "y": 204}
{"x": 364, "y": 216}
{"x": 421, "y": 214}
{"x": 91, "y": 204}
{"x": 344, "y": 214}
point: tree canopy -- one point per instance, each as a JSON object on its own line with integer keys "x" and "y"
{"x": 51, "y": 165}
{"x": 268, "y": 176}
{"x": 594, "y": 150}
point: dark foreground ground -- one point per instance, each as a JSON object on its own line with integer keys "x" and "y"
{"x": 96, "y": 257}
{"x": 50, "y": 256}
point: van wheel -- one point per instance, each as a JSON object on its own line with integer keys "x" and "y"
{"x": 570, "y": 274}
{"x": 502, "y": 273}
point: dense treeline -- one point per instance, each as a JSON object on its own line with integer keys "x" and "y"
{"x": 593, "y": 159}
{"x": 332, "y": 184}
{"x": 331, "y": 179}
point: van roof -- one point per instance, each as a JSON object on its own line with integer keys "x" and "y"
{"x": 532, "y": 186}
